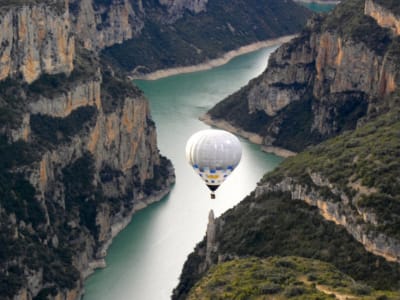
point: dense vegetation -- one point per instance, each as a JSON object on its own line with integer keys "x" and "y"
{"x": 294, "y": 121}
{"x": 361, "y": 164}
{"x": 192, "y": 39}
{"x": 293, "y": 126}
{"x": 367, "y": 157}
{"x": 273, "y": 224}
{"x": 19, "y": 204}
{"x": 281, "y": 278}
{"x": 54, "y": 130}
{"x": 42, "y": 233}
{"x": 392, "y": 5}
{"x": 349, "y": 20}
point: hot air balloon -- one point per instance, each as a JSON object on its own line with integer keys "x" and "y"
{"x": 213, "y": 154}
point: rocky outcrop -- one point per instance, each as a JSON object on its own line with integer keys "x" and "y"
{"x": 273, "y": 221}
{"x": 90, "y": 157}
{"x": 327, "y": 79}
{"x": 115, "y": 148}
{"x": 357, "y": 221}
{"x": 285, "y": 80}
{"x": 182, "y": 33}
{"x": 383, "y": 15}
{"x": 103, "y": 25}
{"x": 35, "y": 39}
{"x": 121, "y": 142}
{"x": 176, "y": 8}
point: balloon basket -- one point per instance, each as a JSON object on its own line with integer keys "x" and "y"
{"x": 212, "y": 195}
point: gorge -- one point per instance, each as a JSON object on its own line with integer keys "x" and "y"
{"x": 336, "y": 87}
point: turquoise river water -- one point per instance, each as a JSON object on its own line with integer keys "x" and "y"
{"x": 145, "y": 260}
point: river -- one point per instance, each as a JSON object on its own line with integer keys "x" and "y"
{"x": 145, "y": 260}
{"x": 319, "y": 7}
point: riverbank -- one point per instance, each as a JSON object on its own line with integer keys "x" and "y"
{"x": 252, "y": 137}
{"x": 214, "y": 62}
{"x": 121, "y": 222}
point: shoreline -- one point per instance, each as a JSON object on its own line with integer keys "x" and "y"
{"x": 214, "y": 62}
{"x": 120, "y": 224}
{"x": 252, "y": 137}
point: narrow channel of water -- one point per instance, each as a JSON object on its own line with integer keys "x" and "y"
{"x": 319, "y": 7}
{"x": 145, "y": 260}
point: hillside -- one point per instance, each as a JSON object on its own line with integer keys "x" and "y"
{"x": 335, "y": 86}
{"x": 281, "y": 278}
{"x": 78, "y": 146}
{"x": 337, "y": 202}
{"x": 323, "y": 82}
{"x": 78, "y": 154}
{"x": 172, "y": 36}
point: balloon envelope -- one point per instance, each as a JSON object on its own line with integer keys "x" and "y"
{"x": 213, "y": 154}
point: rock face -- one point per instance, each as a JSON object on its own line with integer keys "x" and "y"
{"x": 89, "y": 156}
{"x": 47, "y": 32}
{"x": 176, "y": 8}
{"x": 179, "y": 33}
{"x": 35, "y": 39}
{"x": 271, "y": 224}
{"x": 328, "y": 77}
{"x": 340, "y": 73}
{"x": 383, "y": 15}
{"x": 339, "y": 212}
{"x": 103, "y": 25}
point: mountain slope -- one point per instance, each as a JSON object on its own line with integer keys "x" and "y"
{"x": 189, "y": 37}
{"x": 281, "y": 278}
{"x": 321, "y": 83}
{"x": 337, "y": 202}
{"x": 78, "y": 154}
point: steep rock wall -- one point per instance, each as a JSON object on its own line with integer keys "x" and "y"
{"x": 100, "y": 26}
{"x": 120, "y": 141}
{"x": 330, "y": 66}
{"x": 358, "y": 222}
{"x": 383, "y": 16}
{"x": 35, "y": 39}
{"x": 326, "y": 79}
{"x": 91, "y": 146}
{"x": 176, "y": 8}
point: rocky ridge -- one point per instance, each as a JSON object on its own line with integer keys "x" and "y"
{"x": 79, "y": 154}
{"x": 335, "y": 202}
{"x": 43, "y": 33}
{"x": 326, "y": 80}
{"x": 344, "y": 189}
{"x": 185, "y": 33}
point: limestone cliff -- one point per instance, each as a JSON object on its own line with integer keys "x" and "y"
{"x": 100, "y": 24}
{"x": 176, "y": 33}
{"x": 338, "y": 78}
{"x": 324, "y": 81}
{"x": 93, "y": 161}
{"x": 35, "y": 39}
{"x": 78, "y": 151}
{"x": 176, "y": 8}
{"x": 335, "y": 202}
{"x": 357, "y": 220}
{"x": 385, "y": 14}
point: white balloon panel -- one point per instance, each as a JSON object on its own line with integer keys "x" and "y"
{"x": 214, "y": 154}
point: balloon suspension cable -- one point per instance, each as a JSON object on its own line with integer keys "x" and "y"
{"x": 212, "y": 195}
